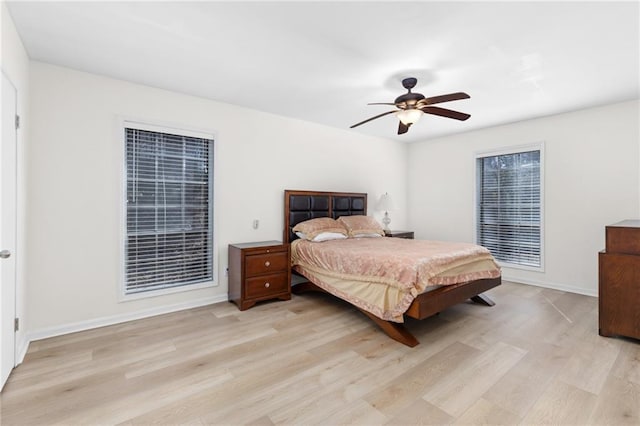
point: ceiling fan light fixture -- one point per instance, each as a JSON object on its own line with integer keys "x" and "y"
{"x": 409, "y": 116}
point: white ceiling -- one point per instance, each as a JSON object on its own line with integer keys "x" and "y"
{"x": 323, "y": 62}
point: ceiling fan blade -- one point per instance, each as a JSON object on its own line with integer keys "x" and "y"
{"x": 373, "y": 118}
{"x": 445, "y": 112}
{"x": 445, "y": 98}
{"x": 381, "y": 103}
{"x": 402, "y": 128}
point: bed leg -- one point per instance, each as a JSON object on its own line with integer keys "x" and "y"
{"x": 483, "y": 300}
{"x": 394, "y": 330}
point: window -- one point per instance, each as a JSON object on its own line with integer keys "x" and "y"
{"x": 169, "y": 224}
{"x": 509, "y": 213}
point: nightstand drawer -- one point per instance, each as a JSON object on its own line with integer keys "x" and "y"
{"x": 266, "y": 285}
{"x": 258, "y": 264}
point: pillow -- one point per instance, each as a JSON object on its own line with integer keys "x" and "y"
{"x": 324, "y": 236}
{"x": 360, "y": 225}
{"x": 313, "y": 227}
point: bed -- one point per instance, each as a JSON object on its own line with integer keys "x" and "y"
{"x": 426, "y": 299}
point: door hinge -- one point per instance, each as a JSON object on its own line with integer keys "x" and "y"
{"x": 17, "y": 121}
{"x": 16, "y": 324}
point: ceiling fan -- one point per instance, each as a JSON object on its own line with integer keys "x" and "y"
{"x": 411, "y": 106}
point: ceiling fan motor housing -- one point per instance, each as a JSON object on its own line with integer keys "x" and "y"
{"x": 408, "y": 100}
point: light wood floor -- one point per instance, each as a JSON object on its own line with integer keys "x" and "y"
{"x": 534, "y": 358}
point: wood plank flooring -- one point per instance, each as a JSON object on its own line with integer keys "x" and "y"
{"x": 534, "y": 358}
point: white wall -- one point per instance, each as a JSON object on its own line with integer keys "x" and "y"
{"x": 75, "y": 178}
{"x": 15, "y": 65}
{"x": 591, "y": 180}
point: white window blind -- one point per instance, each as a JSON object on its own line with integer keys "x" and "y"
{"x": 509, "y": 220}
{"x": 169, "y": 228}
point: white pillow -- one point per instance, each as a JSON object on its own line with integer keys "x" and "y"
{"x": 323, "y": 236}
{"x": 326, "y": 236}
{"x": 367, "y": 235}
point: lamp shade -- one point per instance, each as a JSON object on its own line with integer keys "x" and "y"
{"x": 409, "y": 116}
{"x": 385, "y": 203}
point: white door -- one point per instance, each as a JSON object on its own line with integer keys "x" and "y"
{"x": 8, "y": 212}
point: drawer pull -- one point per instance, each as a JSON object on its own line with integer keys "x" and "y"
{"x": 267, "y": 263}
{"x": 267, "y": 285}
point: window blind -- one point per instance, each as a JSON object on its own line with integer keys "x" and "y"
{"x": 509, "y": 209}
{"x": 169, "y": 228}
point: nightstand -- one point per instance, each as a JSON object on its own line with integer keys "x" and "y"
{"x": 399, "y": 234}
{"x": 258, "y": 271}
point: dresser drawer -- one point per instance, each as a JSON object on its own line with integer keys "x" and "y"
{"x": 258, "y": 264}
{"x": 266, "y": 285}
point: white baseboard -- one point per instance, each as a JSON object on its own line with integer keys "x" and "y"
{"x": 117, "y": 319}
{"x": 554, "y": 286}
{"x": 22, "y": 345}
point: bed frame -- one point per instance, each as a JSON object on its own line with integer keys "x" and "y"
{"x": 304, "y": 205}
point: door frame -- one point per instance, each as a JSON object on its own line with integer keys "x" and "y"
{"x": 12, "y": 292}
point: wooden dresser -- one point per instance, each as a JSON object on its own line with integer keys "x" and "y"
{"x": 258, "y": 271}
{"x": 619, "y": 281}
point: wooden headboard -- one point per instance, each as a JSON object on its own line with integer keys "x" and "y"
{"x": 304, "y": 205}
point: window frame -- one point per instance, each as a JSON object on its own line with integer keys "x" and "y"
{"x": 516, "y": 149}
{"x": 154, "y": 126}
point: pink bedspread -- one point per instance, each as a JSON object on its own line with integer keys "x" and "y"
{"x": 395, "y": 270}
